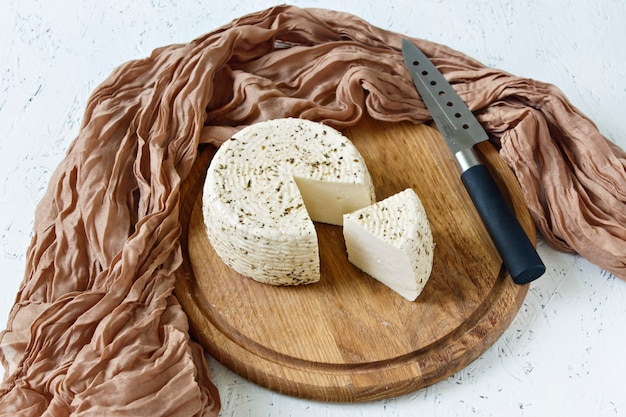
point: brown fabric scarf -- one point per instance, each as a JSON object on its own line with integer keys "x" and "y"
{"x": 96, "y": 330}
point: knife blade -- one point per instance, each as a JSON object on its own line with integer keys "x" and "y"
{"x": 461, "y": 131}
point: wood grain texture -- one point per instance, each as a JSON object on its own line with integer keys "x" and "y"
{"x": 348, "y": 338}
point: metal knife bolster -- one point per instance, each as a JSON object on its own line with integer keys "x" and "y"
{"x": 466, "y": 159}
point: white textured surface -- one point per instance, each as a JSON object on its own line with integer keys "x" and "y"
{"x": 563, "y": 353}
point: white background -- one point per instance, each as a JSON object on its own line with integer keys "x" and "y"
{"x": 562, "y": 355}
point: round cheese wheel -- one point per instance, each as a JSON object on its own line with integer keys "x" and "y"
{"x": 266, "y": 185}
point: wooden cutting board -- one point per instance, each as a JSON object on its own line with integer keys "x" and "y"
{"x": 348, "y": 338}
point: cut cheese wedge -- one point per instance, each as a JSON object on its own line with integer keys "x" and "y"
{"x": 266, "y": 186}
{"x": 392, "y": 242}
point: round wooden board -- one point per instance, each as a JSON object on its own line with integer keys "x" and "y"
{"x": 348, "y": 338}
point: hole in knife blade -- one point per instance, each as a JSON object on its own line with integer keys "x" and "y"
{"x": 416, "y": 63}
{"x": 442, "y": 93}
{"x": 465, "y": 127}
{"x": 449, "y": 104}
{"x": 424, "y": 72}
{"x": 457, "y": 115}
{"x": 433, "y": 83}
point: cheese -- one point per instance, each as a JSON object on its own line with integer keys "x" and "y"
{"x": 266, "y": 186}
{"x": 392, "y": 242}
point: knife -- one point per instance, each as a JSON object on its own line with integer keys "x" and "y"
{"x": 462, "y": 131}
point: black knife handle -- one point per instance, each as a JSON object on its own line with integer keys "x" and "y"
{"x": 517, "y": 252}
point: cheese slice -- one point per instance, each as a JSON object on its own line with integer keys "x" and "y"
{"x": 392, "y": 242}
{"x": 266, "y": 186}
